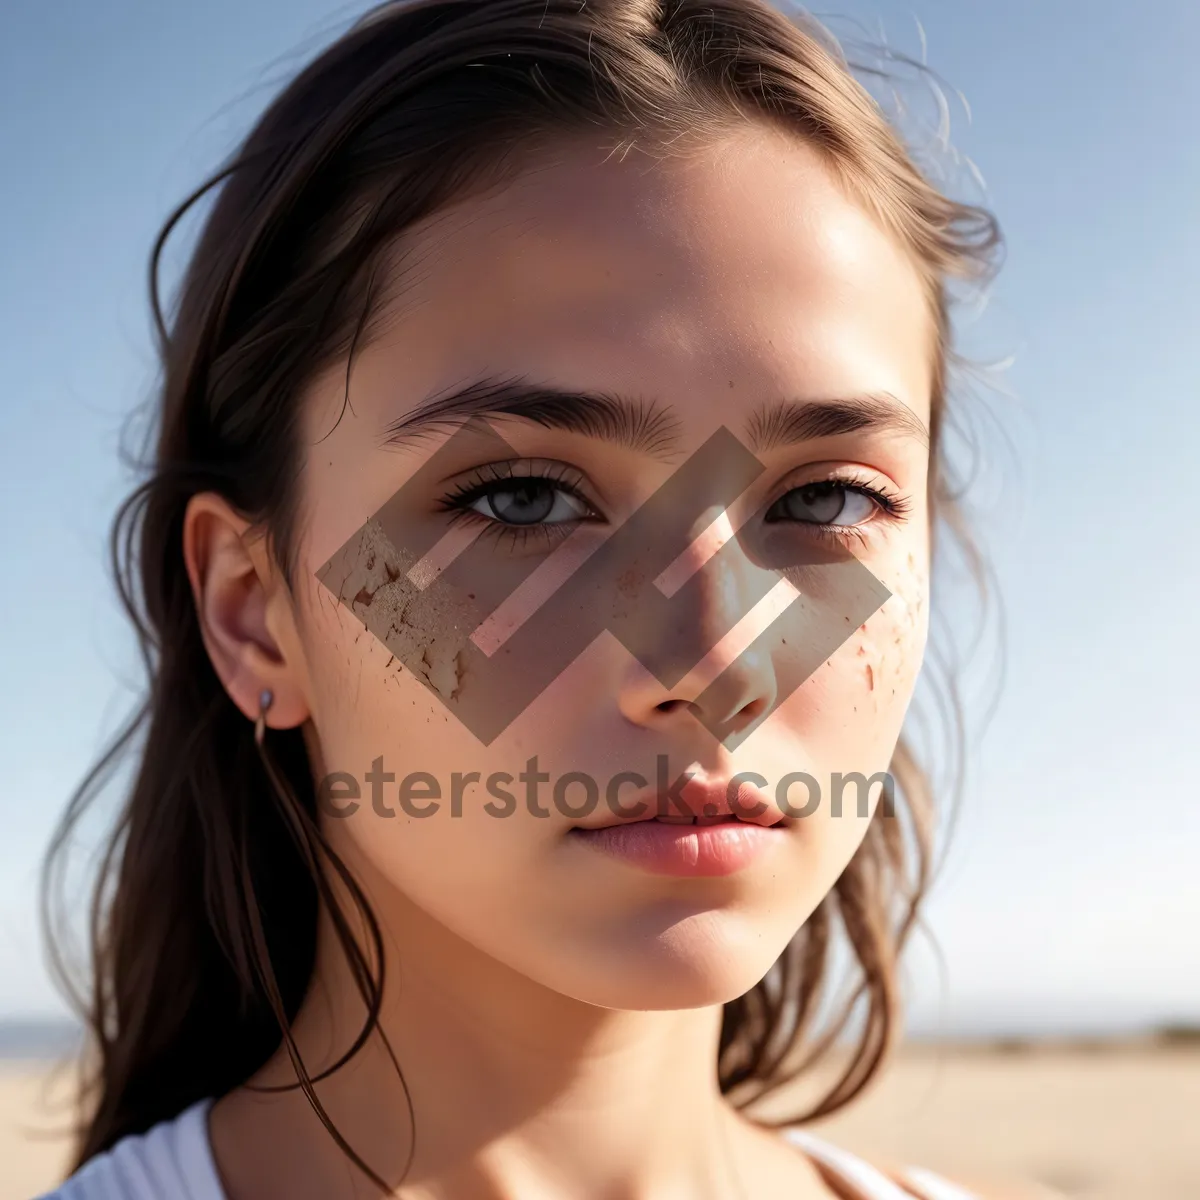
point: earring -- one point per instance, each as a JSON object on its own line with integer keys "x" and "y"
{"x": 265, "y": 699}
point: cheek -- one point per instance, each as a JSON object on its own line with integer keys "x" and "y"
{"x": 367, "y": 707}
{"x": 375, "y": 720}
{"x": 847, "y": 716}
{"x": 889, "y": 647}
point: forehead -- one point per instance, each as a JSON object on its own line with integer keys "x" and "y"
{"x": 670, "y": 278}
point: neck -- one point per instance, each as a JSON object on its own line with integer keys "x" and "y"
{"x": 512, "y": 1089}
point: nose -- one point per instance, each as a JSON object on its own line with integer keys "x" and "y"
{"x": 705, "y": 659}
{"x": 728, "y": 706}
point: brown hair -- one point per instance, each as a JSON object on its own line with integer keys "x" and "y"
{"x": 204, "y": 914}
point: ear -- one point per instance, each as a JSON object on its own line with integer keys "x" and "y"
{"x": 245, "y": 612}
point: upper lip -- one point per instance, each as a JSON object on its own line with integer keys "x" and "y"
{"x": 706, "y": 800}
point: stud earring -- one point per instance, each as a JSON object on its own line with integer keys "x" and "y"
{"x": 265, "y": 699}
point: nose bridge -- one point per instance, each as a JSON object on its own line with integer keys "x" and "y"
{"x": 706, "y": 537}
{"x": 701, "y": 585}
{"x": 724, "y": 582}
{"x": 731, "y": 602}
{"x": 708, "y": 657}
{"x": 712, "y": 529}
{"x": 705, "y": 650}
{"x": 704, "y": 579}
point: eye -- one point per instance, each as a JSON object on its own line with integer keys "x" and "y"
{"x": 826, "y": 502}
{"x": 527, "y": 501}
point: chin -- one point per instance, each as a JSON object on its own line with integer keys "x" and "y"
{"x": 675, "y": 961}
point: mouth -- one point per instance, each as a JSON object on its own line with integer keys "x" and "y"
{"x": 703, "y": 802}
{"x": 702, "y": 832}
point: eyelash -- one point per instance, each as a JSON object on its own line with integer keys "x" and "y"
{"x": 890, "y": 506}
{"x": 483, "y": 481}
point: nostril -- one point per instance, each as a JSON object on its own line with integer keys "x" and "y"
{"x": 668, "y": 706}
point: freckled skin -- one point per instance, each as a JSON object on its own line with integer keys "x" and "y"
{"x": 713, "y": 286}
{"x": 712, "y": 317}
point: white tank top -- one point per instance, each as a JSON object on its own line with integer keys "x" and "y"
{"x": 174, "y": 1161}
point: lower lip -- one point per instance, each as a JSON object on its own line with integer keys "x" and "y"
{"x": 685, "y": 851}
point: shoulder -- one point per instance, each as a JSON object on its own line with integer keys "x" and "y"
{"x": 173, "y": 1158}
{"x": 892, "y": 1181}
{"x": 930, "y": 1186}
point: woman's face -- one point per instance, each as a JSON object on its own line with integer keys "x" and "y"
{"x": 475, "y": 596}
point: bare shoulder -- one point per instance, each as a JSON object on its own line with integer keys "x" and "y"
{"x": 1015, "y": 1190}
{"x": 1006, "y": 1190}
{"x": 972, "y": 1188}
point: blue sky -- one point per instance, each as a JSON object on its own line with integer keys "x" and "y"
{"x": 1071, "y": 894}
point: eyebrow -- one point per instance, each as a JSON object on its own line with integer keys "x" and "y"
{"x": 646, "y": 425}
{"x": 782, "y": 424}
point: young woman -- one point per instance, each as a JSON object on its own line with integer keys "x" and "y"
{"x": 534, "y": 574}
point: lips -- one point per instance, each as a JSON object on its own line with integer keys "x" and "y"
{"x": 701, "y": 831}
{"x": 688, "y": 850}
{"x": 703, "y": 802}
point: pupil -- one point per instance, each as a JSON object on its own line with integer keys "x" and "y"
{"x": 525, "y": 504}
{"x": 817, "y": 502}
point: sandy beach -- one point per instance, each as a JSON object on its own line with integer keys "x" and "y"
{"x": 1110, "y": 1122}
